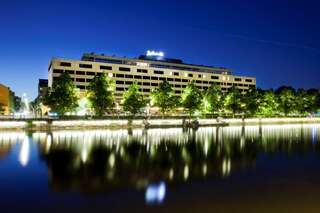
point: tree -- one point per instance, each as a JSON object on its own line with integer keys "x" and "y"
{"x": 268, "y": 105}
{"x": 163, "y": 97}
{"x": 212, "y": 101}
{"x": 62, "y": 97}
{"x": 286, "y": 100}
{"x": 233, "y": 101}
{"x": 133, "y": 100}
{"x": 191, "y": 99}
{"x": 251, "y": 101}
{"x": 101, "y": 94}
{"x": 304, "y": 102}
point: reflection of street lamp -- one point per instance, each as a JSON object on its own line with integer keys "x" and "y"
{"x": 155, "y": 193}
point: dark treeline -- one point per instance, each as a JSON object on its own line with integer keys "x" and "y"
{"x": 99, "y": 100}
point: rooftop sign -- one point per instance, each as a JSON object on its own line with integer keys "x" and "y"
{"x": 155, "y": 53}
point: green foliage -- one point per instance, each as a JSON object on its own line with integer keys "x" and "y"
{"x": 101, "y": 94}
{"x": 163, "y": 97}
{"x": 62, "y": 97}
{"x": 191, "y": 99}
{"x": 212, "y": 101}
{"x": 233, "y": 101}
{"x": 268, "y": 104}
{"x": 286, "y": 101}
{"x": 304, "y": 102}
{"x": 133, "y": 100}
{"x": 251, "y": 101}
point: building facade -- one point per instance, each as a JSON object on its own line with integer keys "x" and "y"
{"x": 148, "y": 71}
{"x": 6, "y": 101}
{"x": 42, "y": 88}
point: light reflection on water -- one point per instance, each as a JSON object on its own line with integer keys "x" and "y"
{"x": 96, "y": 161}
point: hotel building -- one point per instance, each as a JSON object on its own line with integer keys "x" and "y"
{"x": 148, "y": 71}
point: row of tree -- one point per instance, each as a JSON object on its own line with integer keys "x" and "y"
{"x": 285, "y": 101}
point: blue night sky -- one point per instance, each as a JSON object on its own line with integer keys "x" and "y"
{"x": 278, "y": 41}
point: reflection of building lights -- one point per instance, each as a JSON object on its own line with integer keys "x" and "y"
{"x": 24, "y": 152}
{"x": 84, "y": 155}
{"x": 226, "y": 167}
{"x": 186, "y": 172}
{"x": 171, "y": 173}
{"x": 155, "y": 193}
{"x": 111, "y": 160}
{"x": 204, "y": 169}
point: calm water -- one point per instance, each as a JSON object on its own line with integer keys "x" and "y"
{"x": 272, "y": 168}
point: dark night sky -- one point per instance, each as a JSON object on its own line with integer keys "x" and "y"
{"x": 278, "y": 41}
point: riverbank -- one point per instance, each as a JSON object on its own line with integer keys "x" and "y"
{"x": 49, "y": 124}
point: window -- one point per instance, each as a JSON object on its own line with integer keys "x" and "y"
{"x": 91, "y": 73}
{"x": 176, "y": 74}
{"x": 199, "y": 76}
{"x": 184, "y": 80}
{"x": 57, "y": 71}
{"x": 159, "y": 72}
{"x": 229, "y": 84}
{"x": 146, "y": 84}
{"x": 170, "y": 79}
{"x": 177, "y": 79}
{"x": 154, "y": 78}
{"x": 162, "y": 79}
{"x": 137, "y": 77}
{"x": 105, "y": 67}
{"x": 81, "y": 87}
{"x": 205, "y": 88}
{"x": 80, "y": 80}
{"x": 190, "y": 75}
{"x": 248, "y": 80}
{"x": 142, "y": 70}
{"x": 177, "y": 86}
{"x": 237, "y": 79}
{"x": 120, "y": 75}
{"x": 119, "y": 89}
{"x": 81, "y": 73}
{"x": 128, "y": 82}
{"x": 139, "y": 83}
{"x": 119, "y": 82}
{"x": 129, "y": 76}
{"x": 177, "y": 92}
{"x": 214, "y": 77}
{"x": 198, "y": 82}
{"x": 65, "y": 64}
{"x": 154, "y": 84}
{"x": 146, "y": 90}
{"x": 124, "y": 69}
{"x": 70, "y": 71}
{"x": 205, "y": 82}
{"x": 99, "y": 74}
{"x": 146, "y": 77}
{"x": 88, "y": 80}
{"x": 85, "y": 65}
{"x": 184, "y": 86}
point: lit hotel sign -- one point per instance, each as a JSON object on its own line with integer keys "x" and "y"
{"x": 154, "y": 53}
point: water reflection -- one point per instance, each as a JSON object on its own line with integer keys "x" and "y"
{"x": 103, "y": 160}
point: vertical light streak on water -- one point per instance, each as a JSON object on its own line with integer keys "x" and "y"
{"x": 24, "y": 152}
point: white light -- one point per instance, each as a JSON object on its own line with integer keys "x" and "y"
{"x": 155, "y": 193}
{"x": 154, "y": 53}
{"x": 24, "y": 152}
{"x": 110, "y": 75}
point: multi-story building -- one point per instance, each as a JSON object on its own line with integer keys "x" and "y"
{"x": 42, "y": 87}
{"x": 148, "y": 71}
{"x": 6, "y": 100}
